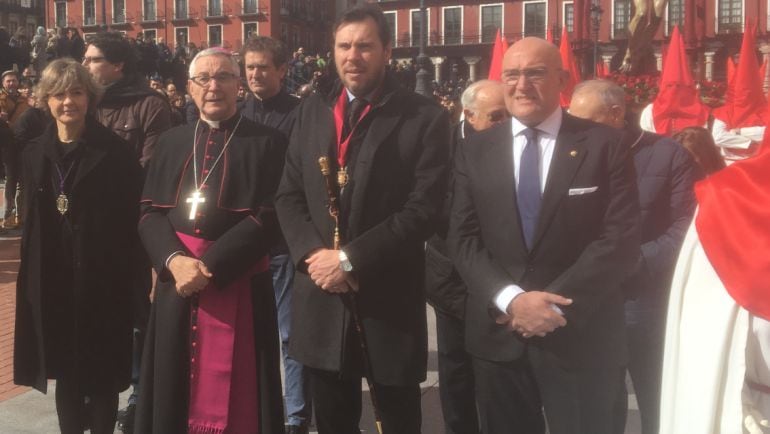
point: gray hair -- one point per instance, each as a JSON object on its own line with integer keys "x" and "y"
{"x": 610, "y": 93}
{"x": 215, "y": 51}
{"x": 468, "y": 98}
{"x": 64, "y": 74}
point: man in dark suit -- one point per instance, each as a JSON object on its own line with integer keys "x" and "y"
{"x": 665, "y": 174}
{"x": 544, "y": 228}
{"x": 389, "y": 149}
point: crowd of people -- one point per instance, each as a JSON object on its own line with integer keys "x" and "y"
{"x": 304, "y": 208}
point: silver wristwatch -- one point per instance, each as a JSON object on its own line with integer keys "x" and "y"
{"x": 345, "y": 264}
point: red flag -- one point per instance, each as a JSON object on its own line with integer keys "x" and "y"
{"x": 498, "y": 51}
{"x": 569, "y": 65}
{"x": 677, "y": 104}
{"x": 746, "y": 105}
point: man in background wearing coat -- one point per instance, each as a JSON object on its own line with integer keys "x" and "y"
{"x": 665, "y": 176}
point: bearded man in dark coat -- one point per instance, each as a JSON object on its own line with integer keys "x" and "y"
{"x": 211, "y": 354}
{"x": 390, "y": 151}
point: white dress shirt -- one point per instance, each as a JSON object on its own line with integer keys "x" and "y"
{"x": 547, "y": 131}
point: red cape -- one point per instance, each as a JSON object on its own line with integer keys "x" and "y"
{"x": 733, "y": 225}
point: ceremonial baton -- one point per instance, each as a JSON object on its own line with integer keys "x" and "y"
{"x": 349, "y": 298}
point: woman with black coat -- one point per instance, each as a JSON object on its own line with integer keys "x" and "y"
{"x": 73, "y": 316}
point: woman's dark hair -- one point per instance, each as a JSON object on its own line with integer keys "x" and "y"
{"x": 700, "y": 144}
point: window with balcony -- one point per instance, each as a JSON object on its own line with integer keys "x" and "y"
{"x": 249, "y": 30}
{"x": 453, "y": 25}
{"x": 415, "y": 30}
{"x": 89, "y": 13}
{"x": 118, "y": 11}
{"x": 675, "y": 14}
{"x": 491, "y": 21}
{"x": 390, "y": 17}
{"x": 182, "y": 36}
{"x": 569, "y": 17}
{"x": 730, "y": 16}
{"x": 250, "y": 6}
{"x": 215, "y": 8}
{"x": 215, "y": 36}
{"x": 180, "y": 9}
{"x": 150, "y": 35}
{"x": 61, "y": 14}
{"x": 621, "y": 18}
{"x": 150, "y": 10}
{"x": 534, "y": 19}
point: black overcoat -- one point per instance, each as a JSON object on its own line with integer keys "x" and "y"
{"x": 399, "y": 184}
{"x": 103, "y": 213}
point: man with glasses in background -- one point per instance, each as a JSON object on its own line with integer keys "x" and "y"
{"x": 208, "y": 223}
{"x": 543, "y": 229}
{"x": 138, "y": 114}
{"x": 484, "y": 107}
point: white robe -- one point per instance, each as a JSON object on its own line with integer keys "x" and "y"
{"x": 712, "y": 346}
{"x": 737, "y": 138}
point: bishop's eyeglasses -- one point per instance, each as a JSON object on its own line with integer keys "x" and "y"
{"x": 204, "y": 80}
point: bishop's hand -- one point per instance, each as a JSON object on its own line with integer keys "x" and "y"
{"x": 190, "y": 275}
{"x": 324, "y": 268}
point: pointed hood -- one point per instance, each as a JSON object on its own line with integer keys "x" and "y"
{"x": 601, "y": 70}
{"x": 498, "y": 51}
{"x": 678, "y": 103}
{"x": 746, "y": 104}
{"x": 570, "y": 65}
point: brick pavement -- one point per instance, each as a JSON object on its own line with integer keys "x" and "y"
{"x": 9, "y": 265}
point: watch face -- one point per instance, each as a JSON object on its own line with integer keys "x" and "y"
{"x": 346, "y": 266}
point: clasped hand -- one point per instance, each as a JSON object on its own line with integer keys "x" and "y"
{"x": 190, "y": 275}
{"x": 324, "y": 268}
{"x": 532, "y": 313}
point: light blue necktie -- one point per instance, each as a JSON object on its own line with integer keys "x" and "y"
{"x": 528, "y": 194}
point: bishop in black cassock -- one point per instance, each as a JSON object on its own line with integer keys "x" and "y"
{"x": 208, "y": 196}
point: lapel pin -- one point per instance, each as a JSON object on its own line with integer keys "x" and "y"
{"x": 573, "y": 153}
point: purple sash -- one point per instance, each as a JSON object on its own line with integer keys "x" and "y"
{"x": 224, "y": 395}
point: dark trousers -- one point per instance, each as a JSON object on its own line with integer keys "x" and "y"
{"x": 455, "y": 373}
{"x": 646, "y": 329}
{"x": 513, "y": 397}
{"x": 12, "y": 164}
{"x": 337, "y": 404}
{"x": 74, "y": 414}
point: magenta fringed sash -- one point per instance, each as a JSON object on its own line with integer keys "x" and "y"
{"x": 224, "y": 396}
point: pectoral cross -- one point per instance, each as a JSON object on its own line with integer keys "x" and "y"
{"x": 194, "y": 200}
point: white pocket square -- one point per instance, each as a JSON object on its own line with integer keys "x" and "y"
{"x": 579, "y": 191}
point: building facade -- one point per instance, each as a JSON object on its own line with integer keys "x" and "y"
{"x": 205, "y": 23}
{"x": 22, "y": 14}
{"x": 461, "y": 33}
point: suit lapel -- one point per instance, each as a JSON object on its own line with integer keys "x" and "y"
{"x": 568, "y": 155}
{"x": 385, "y": 120}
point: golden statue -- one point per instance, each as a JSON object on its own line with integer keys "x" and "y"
{"x": 639, "y": 58}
